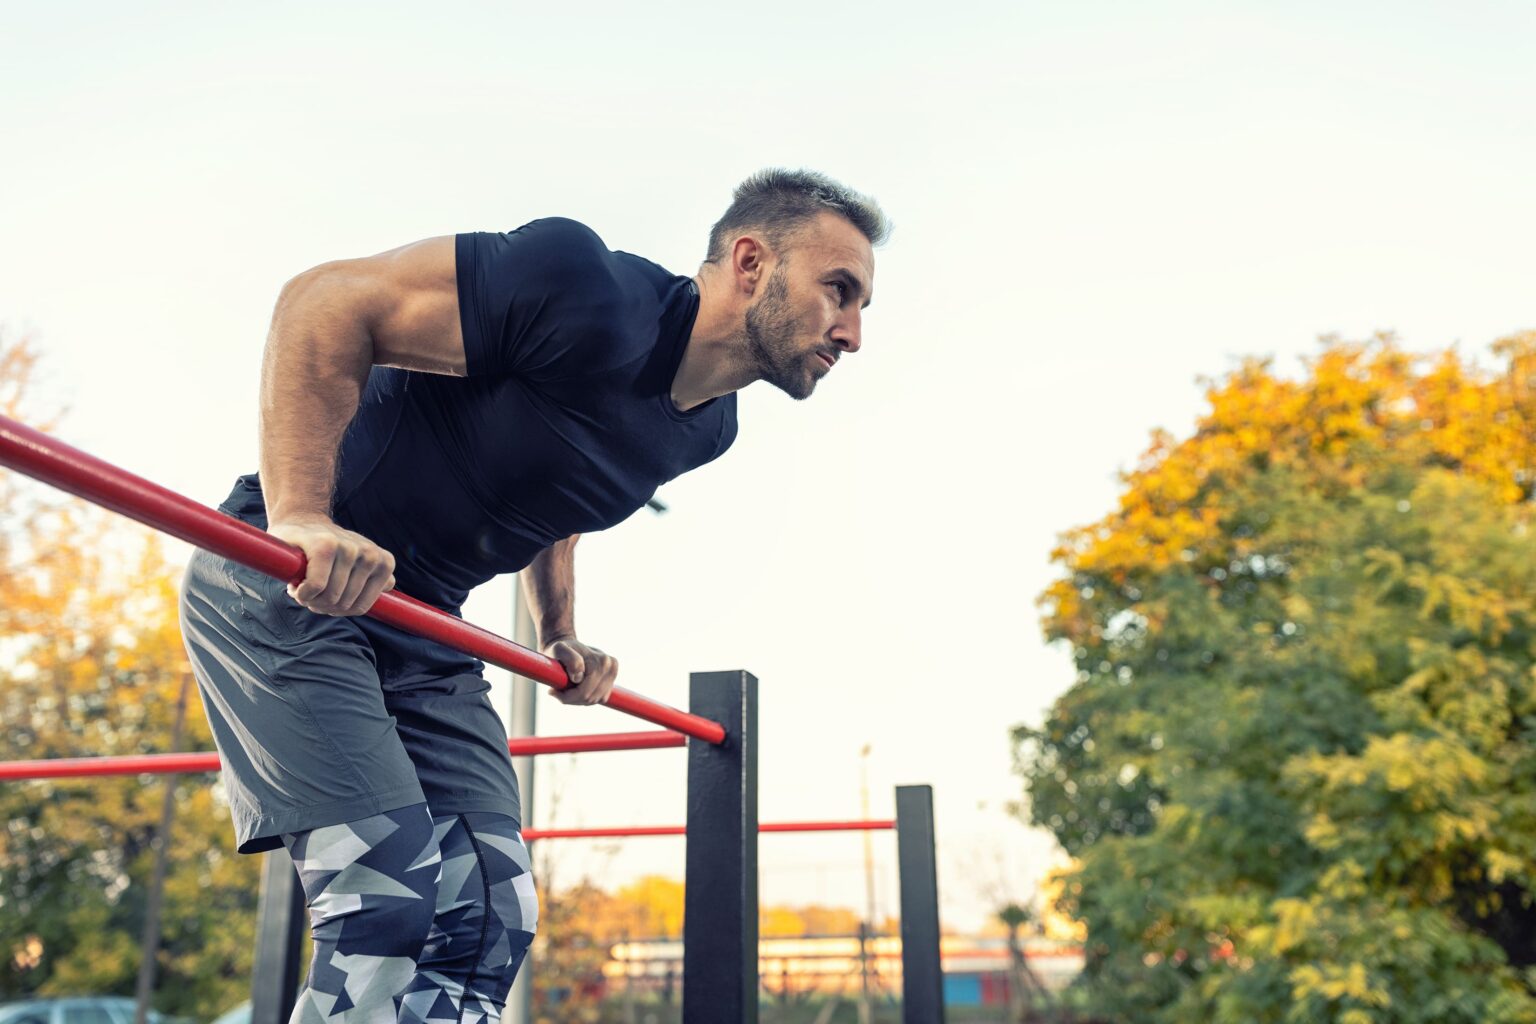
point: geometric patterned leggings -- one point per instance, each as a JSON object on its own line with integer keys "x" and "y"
{"x": 416, "y": 919}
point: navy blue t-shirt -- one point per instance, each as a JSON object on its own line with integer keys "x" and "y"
{"x": 564, "y": 423}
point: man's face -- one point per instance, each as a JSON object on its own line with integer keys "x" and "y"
{"x": 809, "y": 312}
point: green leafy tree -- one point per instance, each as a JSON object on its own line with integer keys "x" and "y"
{"x": 1297, "y": 769}
{"x": 91, "y": 663}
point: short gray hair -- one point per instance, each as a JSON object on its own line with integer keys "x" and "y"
{"x": 778, "y": 201}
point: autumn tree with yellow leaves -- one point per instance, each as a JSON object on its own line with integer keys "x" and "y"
{"x": 579, "y": 925}
{"x": 91, "y": 663}
{"x": 1297, "y": 770}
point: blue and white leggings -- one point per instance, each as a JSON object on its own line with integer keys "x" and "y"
{"x": 417, "y": 919}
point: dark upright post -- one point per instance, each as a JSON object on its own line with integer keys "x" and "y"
{"x": 720, "y": 898}
{"x": 922, "y": 977}
{"x": 279, "y": 934}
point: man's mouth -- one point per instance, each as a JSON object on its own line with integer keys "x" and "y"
{"x": 829, "y": 360}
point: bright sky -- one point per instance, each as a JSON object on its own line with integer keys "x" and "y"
{"x": 1095, "y": 202}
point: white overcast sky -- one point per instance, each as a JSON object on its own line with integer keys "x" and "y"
{"x": 1096, "y": 202}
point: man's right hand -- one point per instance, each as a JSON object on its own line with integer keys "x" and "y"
{"x": 346, "y": 571}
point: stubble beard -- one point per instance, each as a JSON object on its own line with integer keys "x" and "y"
{"x": 770, "y": 330}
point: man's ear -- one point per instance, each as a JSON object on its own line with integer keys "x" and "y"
{"x": 749, "y": 258}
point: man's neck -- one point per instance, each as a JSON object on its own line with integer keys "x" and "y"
{"x": 715, "y": 360}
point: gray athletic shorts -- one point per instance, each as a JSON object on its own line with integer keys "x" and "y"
{"x": 322, "y": 720}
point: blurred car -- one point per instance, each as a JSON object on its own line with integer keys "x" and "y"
{"x": 75, "y": 1010}
{"x": 239, "y": 1015}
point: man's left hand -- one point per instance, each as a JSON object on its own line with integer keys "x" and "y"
{"x": 591, "y": 671}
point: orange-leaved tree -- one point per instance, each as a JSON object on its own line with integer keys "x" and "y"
{"x": 91, "y": 663}
{"x": 1297, "y": 769}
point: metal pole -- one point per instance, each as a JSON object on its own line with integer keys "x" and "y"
{"x": 922, "y": 973}
{"x": 720, "y": 898}
{"x": 522, "y": 722}
{"x": 172, "y": 764}
{"x": 150, "y": 941}
{"x": 636, "y": 831}
{"x": 865, "y": 1006}
{"x": 279, "y": 935}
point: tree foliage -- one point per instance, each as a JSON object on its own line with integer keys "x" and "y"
{"x": 91, "y": 663}
{"x": 1297, "y": 769}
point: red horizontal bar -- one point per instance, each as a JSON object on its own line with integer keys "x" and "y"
{"x": 175, "y": 764}
{"x": 533, "y": 745}
{"x": 70, "y": 469}
{"x": 137, "y": 764}
{"x": 879, "y": 825}
{"x": 530, "y": 834}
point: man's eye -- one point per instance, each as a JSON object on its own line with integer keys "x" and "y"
{"x": 842, "y": 290}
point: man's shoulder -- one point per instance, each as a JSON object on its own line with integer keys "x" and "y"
{"x": 567, "y": 236}
{"x": 556, "y": 244}
{"x": 558, "y": 230}
{"x": 552, "y": 266}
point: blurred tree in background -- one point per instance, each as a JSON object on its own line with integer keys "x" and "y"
{"x": 1297, "y": 768}
{"x": 91, "y": 663}
{"x": 580, "y": 923}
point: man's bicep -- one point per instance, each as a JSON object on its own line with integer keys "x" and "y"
{"x": 413, "y": 307}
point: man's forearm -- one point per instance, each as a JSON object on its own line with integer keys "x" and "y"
{"x": 549, "y": 584}
{"x": 312, "y": 377}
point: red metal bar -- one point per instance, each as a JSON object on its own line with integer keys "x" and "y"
{"x": 70, "y": 469}
{"x": 76, "y": 767}
{"x": 533, "y": 745}
{"x": 881, "y": 825}
{"x": 678, "y": 830}
{"x": 530, "y": 834}
{"x": 175, "y": 764}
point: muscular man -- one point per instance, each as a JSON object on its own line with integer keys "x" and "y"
{"x": 431, "y": 417}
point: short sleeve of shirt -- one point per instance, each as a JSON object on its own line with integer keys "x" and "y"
{"x": 528, "y": 299}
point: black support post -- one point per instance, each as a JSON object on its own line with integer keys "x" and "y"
{"x": 279, "y": 935}
{"x": 720, "y": 898}
{"x": 921, "y": 973}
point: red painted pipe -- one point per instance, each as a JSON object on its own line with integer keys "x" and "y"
{"x": 175, "y": 764}
{"x": 530, "y": 834}
{"x": 533, "y": 745}
{"x": 880, "y": 825}
{"x": 678, "y": 830}
{"x": 70, "y": 469}
{"x": 140, "y": 764}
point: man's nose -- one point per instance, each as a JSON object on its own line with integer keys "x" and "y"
{"x": 848, "y": 333}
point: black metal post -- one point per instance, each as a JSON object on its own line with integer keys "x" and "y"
{"x": 922, "y": 976}
{"x": 279, "y": 936}
{"x": 720, "y": 898}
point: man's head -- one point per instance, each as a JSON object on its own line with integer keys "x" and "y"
{"x": 797, "y": 247}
